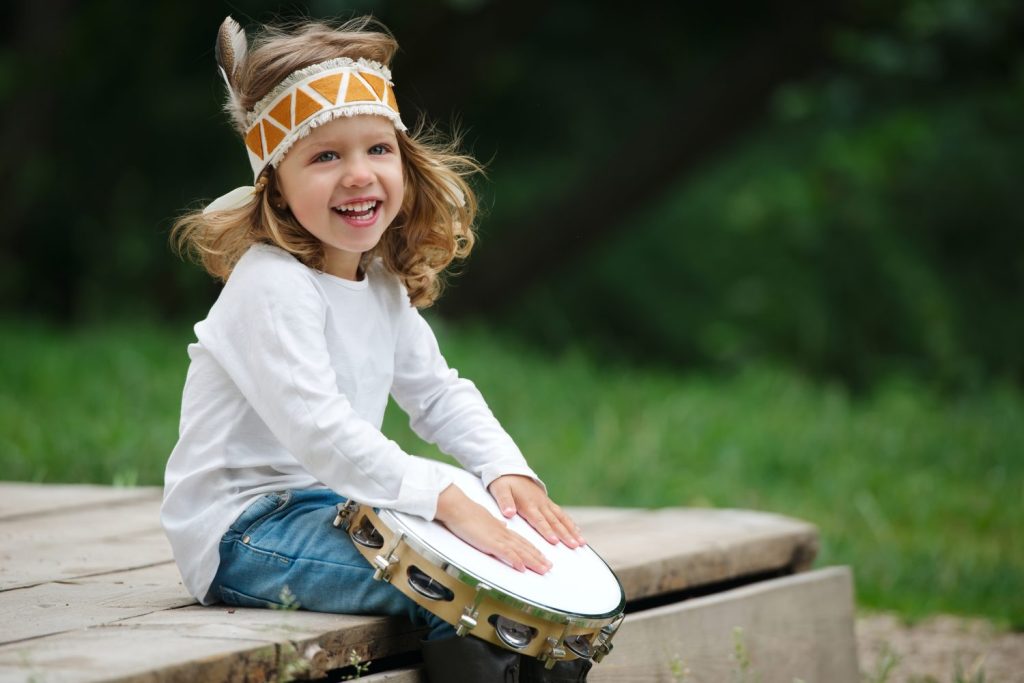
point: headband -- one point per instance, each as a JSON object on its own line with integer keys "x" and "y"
{"x": 311, "y": 97}
{"x": 305, "y": 99}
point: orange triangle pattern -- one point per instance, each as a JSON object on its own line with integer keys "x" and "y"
{"x": 357, "y": 92}
{"x": 376, "y": 82}
{"x": 328, "y": 86}
{"x": 254, "y": 141}
{"x": 273, "y": 134}
{"x": 272, "y": 127}
{"x": 282, "y": 113}
{"x": 305, "y": 106}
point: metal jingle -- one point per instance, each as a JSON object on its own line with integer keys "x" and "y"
{"x": 579, "y": 646}
{"x": 512, "y": 633}
{"x": 421, "y": 582}
{"x": 367, "y": 535}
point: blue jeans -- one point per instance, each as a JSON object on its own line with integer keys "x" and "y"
{"x": 284, "y": 549}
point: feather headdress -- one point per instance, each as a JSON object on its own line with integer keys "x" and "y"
{"x": 308, "y": 97}
{"x": 232, "y": 49}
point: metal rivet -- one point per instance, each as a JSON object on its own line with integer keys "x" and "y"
{"x": 245, "y": 539}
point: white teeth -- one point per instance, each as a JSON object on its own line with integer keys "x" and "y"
{"x": 356, "y": 207}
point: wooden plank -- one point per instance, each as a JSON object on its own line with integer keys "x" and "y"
{"x": 396, "y": 676}
{"x": 63, "y": 606}
{"x": 593, "y": 517}
{"x": 658, "y": 551}
{"x": 795, "y": 627}
{"x": 126, "y": 621}
{"x": 24, "y": 499}
{"x": 85, "y": 542}
{"x": 208, "y": 644}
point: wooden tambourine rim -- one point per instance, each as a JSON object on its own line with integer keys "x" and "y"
{"x": 503, "y": 594}
{"x": 465, "y": 586}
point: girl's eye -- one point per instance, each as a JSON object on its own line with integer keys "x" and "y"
{"x": 326, "y": 156}
{"x": 380, "y": 149}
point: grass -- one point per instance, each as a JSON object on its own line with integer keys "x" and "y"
{"x": 919, "y": 492}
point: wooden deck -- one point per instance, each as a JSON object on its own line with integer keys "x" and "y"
{"x": 89, "y": 592}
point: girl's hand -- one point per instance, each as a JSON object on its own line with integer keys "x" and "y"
{"x": 516, "y": 493}
{"x": 476, "y": 526}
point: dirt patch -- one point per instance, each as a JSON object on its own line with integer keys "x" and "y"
{"x": 931, "y": 649}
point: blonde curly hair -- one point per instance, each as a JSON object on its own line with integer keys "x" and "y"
{"x": 435, "y": 223}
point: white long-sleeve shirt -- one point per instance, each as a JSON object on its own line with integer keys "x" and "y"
{"x": 287, "y": 387}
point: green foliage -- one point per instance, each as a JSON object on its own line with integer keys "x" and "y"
{"x": 891, "y": 245}
{"x": 95, "y": 405}
{"x": 870, "y": 226}
{"x": 913, "y": 488}
{"x": 866, "y": 224}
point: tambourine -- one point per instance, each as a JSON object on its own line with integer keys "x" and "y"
{"x": 572, "y": 611}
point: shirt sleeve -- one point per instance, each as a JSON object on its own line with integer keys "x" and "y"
{"x": 267, "y": 332}
{"x": 449, "y": 410}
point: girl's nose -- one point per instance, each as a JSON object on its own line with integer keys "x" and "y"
{"x": 357, "y": 173}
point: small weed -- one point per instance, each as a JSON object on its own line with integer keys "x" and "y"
{"x": 887, "y": 661}
{"x": 358, "y": 665}
{"x": 287, "y": 601}
{"x": 976, "y": 674}
{"x": 744, "y": 672}
{"x": 678, "y": 669}
{"x": 34, "y": 675}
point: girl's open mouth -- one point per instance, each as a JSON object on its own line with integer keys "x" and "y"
{"x": 359, "y": 214}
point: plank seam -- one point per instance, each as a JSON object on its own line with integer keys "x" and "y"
{"x": 78, "y": 507}
{"x": 74, "y": 580}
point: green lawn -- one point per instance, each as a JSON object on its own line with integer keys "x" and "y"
{"x": 920, "y": 493}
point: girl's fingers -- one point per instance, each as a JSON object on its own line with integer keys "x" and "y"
{"x": 502, "y": 494}
{"x": 534, "y": 559}
{"x": 571, "y": 527}
{"x": 554, "y": 525}
{"x": 562, "y": 531}
{"x": 520, "y": 554}
{"x": 539, "y": 522}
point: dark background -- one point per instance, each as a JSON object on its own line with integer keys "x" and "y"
{"x": 833, "y": 187}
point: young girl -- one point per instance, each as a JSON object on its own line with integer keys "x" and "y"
{"x": 326, "y": 259}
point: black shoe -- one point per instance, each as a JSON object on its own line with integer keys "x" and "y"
{"x": 469, "y": 660}
{"x": 574, "y": 671}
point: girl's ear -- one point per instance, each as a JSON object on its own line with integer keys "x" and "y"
{"x": 273, "y": 188}
{"x": 278, "y": 201}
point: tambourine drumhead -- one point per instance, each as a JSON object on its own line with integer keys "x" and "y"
{"x": 579, "y": 583}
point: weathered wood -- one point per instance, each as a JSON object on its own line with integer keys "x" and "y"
{"x": 57, "y": 607}
{"x": 97, "y": 531}
{"x": 24, "y": 500}
{"x": 659, "y": 551}
{"x": 209, "y": 644}
{"x": 396, "y": 676}
{"x": 83, "y": 542}
{"x": 795, "y": 627}
{"x": 88, "y": 590}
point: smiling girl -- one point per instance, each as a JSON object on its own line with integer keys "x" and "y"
{"x": 326, "y": 260}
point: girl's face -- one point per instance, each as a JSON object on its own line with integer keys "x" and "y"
{"x": 343, "y": 183}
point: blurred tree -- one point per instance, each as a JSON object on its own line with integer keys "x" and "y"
{"x": 829, "y": 185}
